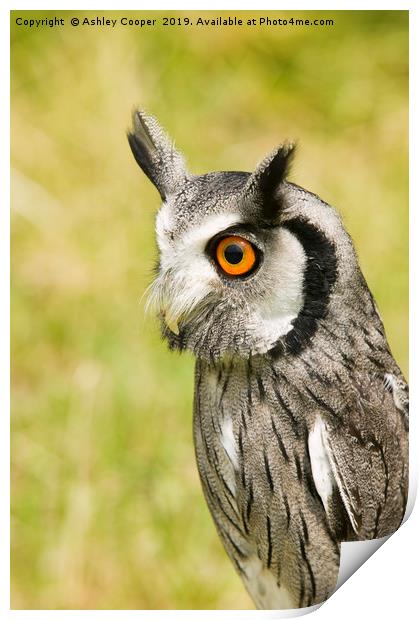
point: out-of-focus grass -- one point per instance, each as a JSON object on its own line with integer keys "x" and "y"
{"x": 107, "y": 510}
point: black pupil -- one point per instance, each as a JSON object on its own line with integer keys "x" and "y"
{"x": 233, "y": 253}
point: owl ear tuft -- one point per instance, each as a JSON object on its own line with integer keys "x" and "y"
{"x": 155, "y": 153}
{"x": 263, "y": 185}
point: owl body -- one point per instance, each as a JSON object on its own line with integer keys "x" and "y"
{"x": 300, "y": 411}
{"x": 260, "y": 431}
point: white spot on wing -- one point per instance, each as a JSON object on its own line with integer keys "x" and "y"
{"x": 335, "y": 474}
{"x": 390, "y": 384}
{"x": 263, "y": 588}
{"x": 228, "y": 441}
{"x": 389, "y": 381}
{"x": 320, "y": 464}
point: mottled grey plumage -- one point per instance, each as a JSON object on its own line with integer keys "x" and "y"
{"x": 300, "y": 414}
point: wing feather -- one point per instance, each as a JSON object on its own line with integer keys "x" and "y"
{"x": 367, "y": 455}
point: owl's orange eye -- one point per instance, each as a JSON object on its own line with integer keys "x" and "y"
{"x": 235, "y": 255}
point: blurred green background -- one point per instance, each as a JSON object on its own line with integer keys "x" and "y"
{"x": 107, "y": 510}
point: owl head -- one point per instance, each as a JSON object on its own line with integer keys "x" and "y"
{"x": 248, "y": 262}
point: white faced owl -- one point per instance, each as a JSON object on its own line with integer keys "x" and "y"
{"x": 300, "y": 410}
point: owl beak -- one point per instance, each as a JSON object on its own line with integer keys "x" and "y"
{"x": 172, "y": 324}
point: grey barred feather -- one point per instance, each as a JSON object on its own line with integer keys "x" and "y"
{"x": 300, "y": 410}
